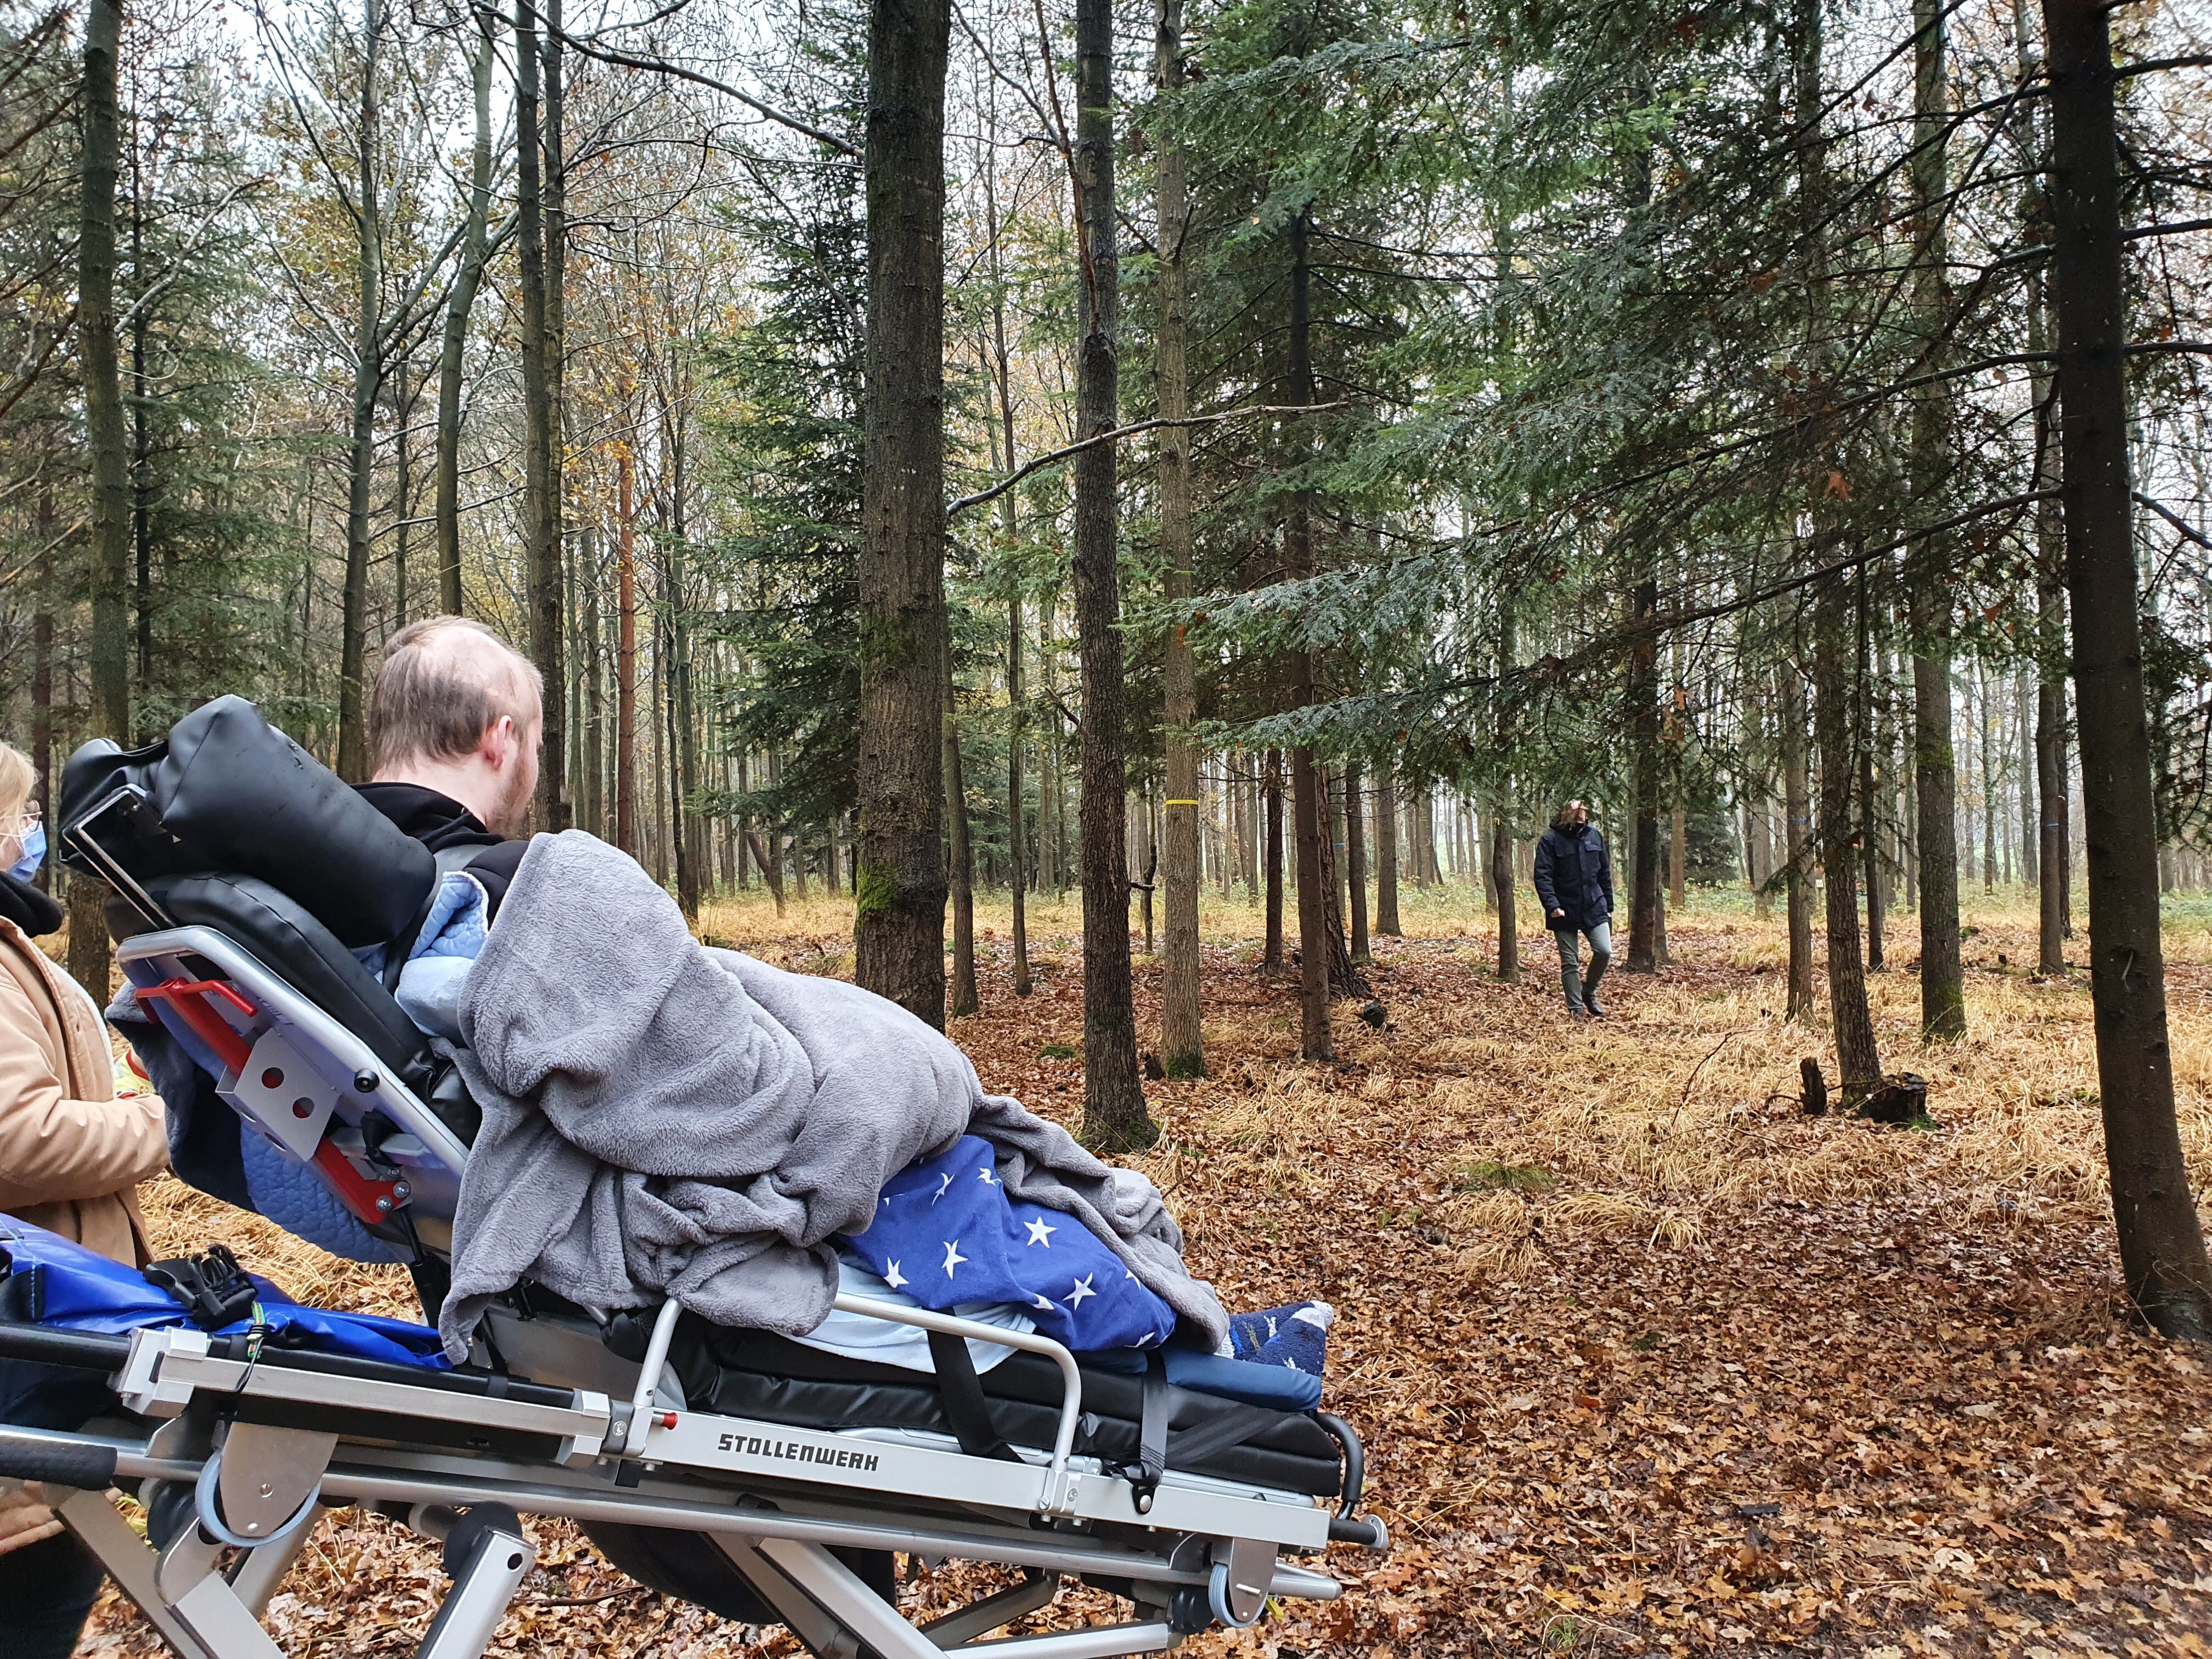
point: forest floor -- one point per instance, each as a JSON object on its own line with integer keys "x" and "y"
{"x": 1645, "y": 1360}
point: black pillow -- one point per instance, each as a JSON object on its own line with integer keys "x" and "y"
{"x": 226, "y": 791}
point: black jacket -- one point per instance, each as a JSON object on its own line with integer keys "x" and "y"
{"x": 1574, "y": 873}
{"x": 439, "y": 822}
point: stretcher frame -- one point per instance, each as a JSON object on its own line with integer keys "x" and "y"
{"x": 259, "y": 1445}
{"x": 776, "y": 1499}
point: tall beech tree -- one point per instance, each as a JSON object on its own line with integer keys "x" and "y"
{"x": 900, "y": 890}
{"x": 2153, "y": 1208}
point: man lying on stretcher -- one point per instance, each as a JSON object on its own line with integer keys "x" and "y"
{"x": 628, "y": 1149}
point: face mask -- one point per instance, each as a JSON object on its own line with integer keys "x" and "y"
{"x": 34, "y": 854}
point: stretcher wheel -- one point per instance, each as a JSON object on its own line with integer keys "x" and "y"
{"x": 1216, "y": 1600}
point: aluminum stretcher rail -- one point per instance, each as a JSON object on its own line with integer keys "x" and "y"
{"x": 242, "y": 1450}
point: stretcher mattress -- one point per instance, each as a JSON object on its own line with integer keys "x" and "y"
{"x": 756, "y": 1374}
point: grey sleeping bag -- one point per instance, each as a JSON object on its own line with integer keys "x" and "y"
{"x": 661, "y": 1120}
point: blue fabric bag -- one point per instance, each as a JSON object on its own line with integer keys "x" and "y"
{"x": 64, "y": 1286}
{"x": 946, "y": 1234}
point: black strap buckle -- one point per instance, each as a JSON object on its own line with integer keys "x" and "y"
{"x": 213, "y": 1287}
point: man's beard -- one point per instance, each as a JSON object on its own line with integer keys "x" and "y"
{"x": 513, "y": 805}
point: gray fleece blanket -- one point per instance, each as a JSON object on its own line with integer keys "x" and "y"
{"x": 661, "y": 1120}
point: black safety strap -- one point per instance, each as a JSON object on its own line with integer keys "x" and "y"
{"x": 1224, "y": 1425}
{"x": 961, "y": 1392}
{"x": 1152, "y": 1435}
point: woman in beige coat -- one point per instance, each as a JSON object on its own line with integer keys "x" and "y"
{"x": 71, "y": 1153}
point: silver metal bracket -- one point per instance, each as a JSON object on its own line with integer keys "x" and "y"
{"x": 494, "y": 1558}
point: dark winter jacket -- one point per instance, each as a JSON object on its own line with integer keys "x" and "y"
{"x": 439, "y": 822}
{"x": 1574, "y": 873}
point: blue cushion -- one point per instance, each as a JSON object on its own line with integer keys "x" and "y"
{"x": 1275, "y": 1386}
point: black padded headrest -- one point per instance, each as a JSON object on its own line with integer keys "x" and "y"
{"x": 226, "y": 791}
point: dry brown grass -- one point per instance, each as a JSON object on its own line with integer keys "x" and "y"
{"x": 1599, "y": 1286}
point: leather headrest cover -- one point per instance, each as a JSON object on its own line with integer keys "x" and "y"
{"x": 228, "y": 791}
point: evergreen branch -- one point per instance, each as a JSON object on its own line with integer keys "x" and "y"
{"x": 1052, "y": 457}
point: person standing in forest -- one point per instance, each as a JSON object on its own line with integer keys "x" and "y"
{"x": 1574, "y": 884}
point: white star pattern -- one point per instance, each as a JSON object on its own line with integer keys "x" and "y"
{"x": 1082, "y": 1290}
{"x": 894, "y": 1277}
{"x": 1044, "y": 1302}
{"x": 989, "y": 1179}
{"x": 952, "y": 1256}
{"x": 944, "y": 1187}
{"x": 1040, "y": 1233}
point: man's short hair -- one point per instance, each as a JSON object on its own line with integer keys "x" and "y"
{"x": 445, "y": 681}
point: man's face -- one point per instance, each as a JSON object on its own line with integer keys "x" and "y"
{"x": 1578, "y": 813}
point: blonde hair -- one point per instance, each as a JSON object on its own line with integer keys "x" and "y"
{"x": 446, "y": 681}
{"x": 17, "y": 780}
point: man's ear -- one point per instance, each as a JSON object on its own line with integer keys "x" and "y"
{"x": 499, "y": 742}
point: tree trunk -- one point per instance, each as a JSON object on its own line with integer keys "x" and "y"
{"x": 367, "y": 381}
{"x": 1942, "y": 988}
{"x": 1355, "y": 863}
{"x": 899, "y": 911}
{"x": 1677, "y": 857}
{"x": 626, "y": 660}
{"x": 1308, "y": 813}
{"x": 536, "y": 395}
{"x": 2052, "y": 816}
{"x": 1182, "y": 1047}
{"x": 540, "y": 224}
{"x": 591, "y": 800}
{"x": 961, "y": 849}
{"x": 1869, "y": 801}
{"x": 1114, "y": 1115}
{"x": 1855, "y": 1054}
{"x": 683, "y": 821}
{"x": 1386, "y": 856}
{"x": 452, "y": 348}
{"x": 1017, "y": 853}
{"x": 1271, "y": 792}
{"x": 1643, "y": 901}
{"x": 2162, "y": 1253}
{"x": 109, "y": 563}
{"x": 42, "y": 677}
{"x": 142, "y": 528}
{"x": 1797, "y": 874}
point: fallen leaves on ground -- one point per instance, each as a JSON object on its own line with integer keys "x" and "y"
{"x": 1645, "y": 1359}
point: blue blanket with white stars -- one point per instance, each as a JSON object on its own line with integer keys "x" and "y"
{"x": 946, "y": 1234}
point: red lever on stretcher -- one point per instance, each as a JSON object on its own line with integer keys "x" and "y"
{"x": 371, "y": 1201}
{"x": 185, "y": 996}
